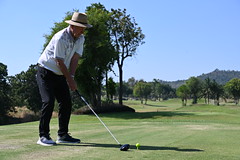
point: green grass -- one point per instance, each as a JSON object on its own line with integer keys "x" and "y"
{"x": 165, "y": 130}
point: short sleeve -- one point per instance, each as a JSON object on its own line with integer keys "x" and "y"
{"x": 59, "y": 49}
{"x": 79, "y": 50}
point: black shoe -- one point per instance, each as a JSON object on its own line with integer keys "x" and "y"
{"x": 66, "y": 138}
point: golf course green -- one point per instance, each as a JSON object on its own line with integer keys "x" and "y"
{"x": 165, "y": 130}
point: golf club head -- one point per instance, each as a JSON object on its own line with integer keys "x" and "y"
{"x": 124, "y": 147}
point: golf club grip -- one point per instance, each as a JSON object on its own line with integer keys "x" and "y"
{"x": 97, "y": 117}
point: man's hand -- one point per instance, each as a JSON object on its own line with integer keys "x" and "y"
{"x": 71, "y": 82}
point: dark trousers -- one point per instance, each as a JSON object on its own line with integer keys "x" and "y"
{"x": 53, "y": 86}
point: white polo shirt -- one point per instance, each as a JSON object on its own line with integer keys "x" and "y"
{"x": 62, "y": 46}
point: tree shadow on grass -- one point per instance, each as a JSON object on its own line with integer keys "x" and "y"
{"x": 143, "y": 115}
{"x": 155, "y": 105}
{"x": 132, "y": 147}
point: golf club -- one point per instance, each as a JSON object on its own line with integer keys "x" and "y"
{"x": 124, "y": 147}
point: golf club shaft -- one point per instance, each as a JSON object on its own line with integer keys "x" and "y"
{"x": 97, "y": 116}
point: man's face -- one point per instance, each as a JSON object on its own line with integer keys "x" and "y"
{"x": 76, "y": 31}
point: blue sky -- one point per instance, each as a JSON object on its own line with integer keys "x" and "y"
{"x": 184, "y": 38}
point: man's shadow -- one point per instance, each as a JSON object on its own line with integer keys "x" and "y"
{"x": 133, "y": 147}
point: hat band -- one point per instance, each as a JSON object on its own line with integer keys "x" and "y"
{"x": 79, "y": 22}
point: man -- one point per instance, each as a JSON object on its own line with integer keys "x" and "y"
{"x": 55, "y": 76}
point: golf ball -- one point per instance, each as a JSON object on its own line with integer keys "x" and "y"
{"x": 137, "y": 145}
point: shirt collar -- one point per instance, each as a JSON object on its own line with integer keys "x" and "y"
{"x": 69, "y": 34}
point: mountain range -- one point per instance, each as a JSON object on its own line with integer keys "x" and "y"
{"x": 220, "y": 76}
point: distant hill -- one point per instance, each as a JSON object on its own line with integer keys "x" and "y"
{"x": 220, "y": 76}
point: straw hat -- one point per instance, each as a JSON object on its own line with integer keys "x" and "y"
{"x": 79, "y": 19}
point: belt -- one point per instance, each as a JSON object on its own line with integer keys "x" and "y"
{"x": 39, "y": 65}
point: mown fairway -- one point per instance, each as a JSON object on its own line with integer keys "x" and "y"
{"x": 165, "y": 131}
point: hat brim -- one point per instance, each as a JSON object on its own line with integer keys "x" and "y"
{"x": 78, "y": 24}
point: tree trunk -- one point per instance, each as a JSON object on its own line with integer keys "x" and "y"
{"x": 99, "y": 100}
{"x": 107, "y": 86}
{"x": 141, "y": 99}
{"x": 93, "y": 100}
{"x": 218, "y": 100}
{"x": 120, "y": 84}
{"x": 96, "y": 97}
{"x": 183, "y": 104}
{"x": 194, "y": 99}
{"x": 208, "y": 98}
{"x": 145, "y": 100}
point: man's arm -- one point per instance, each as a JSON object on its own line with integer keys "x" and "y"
{"x": 74, "y": 64}
{"x": 69, "y": 74}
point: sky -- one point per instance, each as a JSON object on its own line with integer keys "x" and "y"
{"x": 184, "y": 38}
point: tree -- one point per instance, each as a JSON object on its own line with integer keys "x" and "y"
{"x": 111, "y": 89}
{"x": 195, "y": 86}
{"x": 158, "y": 90}
{"x": 32, "y": 95}
{"x": 233, "y": 88}
{"x": 207, "y": 89}
{"x": 126, "y": 37}
{"x": 98, "y": 56}
{"x": 155, "y": 85}
{"x": 166, "y": 90}
{"x": 142, "y": 90}
{"x": 163, "y": 91}
{"x": 131, "y": 83}
{"x": 5, "y": 101}
{"x": 147, "y": 91}
{"x": 183, "y": 92}
{"x": 126, "y": 89}
{"x": 17, "y": 89}
{"x": 57, "y": 27}
{"x": 25, "y": 89}
{"x": 216, "y": 91}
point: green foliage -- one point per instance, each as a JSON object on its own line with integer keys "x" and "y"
{"x": 131, "y": 82}
{"x": 24, "y": 89}
{"x": 195, "y": 86}
{"x": 111, "y": 89}
{"x": 126, "y": 37}
{"x": 17, "y": 89}
{"x": 57, "y": 27}
{"x": 220, "y": 76}
{"x": 209, "y": 89}
{"x": 183, "y": 93}
{"x": 206, "y": 90}
{"x": 126, "y": 89}
{"x": 115, "y": 36}
{"x": 233, "y": 88}
{"x": 32, "y": 95}
{"x": 155, "y": 84}
{"x": 142, "y": 90}
{"x": 165, "y": 91}
{"x": 161, "y": 90}
{"x": 98, "y": 57}
{"x": 5, "y": 101}
{"x": 217, "y": 91}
